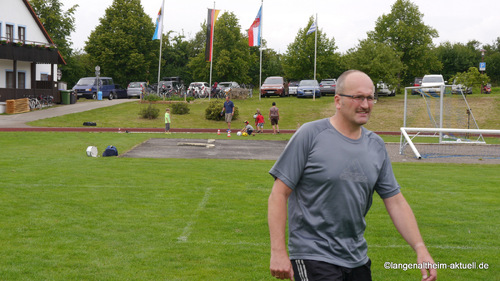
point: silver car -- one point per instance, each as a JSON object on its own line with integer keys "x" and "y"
{"x": 136, "y": 89}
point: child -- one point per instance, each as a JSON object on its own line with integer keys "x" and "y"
{"x": 167, "y": 121}
{"x": 248, "y": 129}
{"x": 259, "y": 122}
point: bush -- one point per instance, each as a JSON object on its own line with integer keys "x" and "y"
{"x": 149, "y": 112}
{"x": 180, "y": 108}
{"x": 151, "y": 97}
{"x": 212, "y": 112}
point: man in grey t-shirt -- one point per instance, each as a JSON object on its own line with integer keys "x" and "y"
{"x": 327, "y": 174}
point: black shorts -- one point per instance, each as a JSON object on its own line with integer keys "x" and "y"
{"x": 317, "y": 270}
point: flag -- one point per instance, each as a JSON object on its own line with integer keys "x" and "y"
{"x": 312, "y": 29}
{"x": 254, "y": 30}
{"x": 159, "y": 24}
{"x": 212, "y": 17}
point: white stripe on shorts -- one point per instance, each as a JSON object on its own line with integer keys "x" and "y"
{"x": 302, "y": 270}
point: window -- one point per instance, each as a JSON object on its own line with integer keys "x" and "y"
{"x": 21, "y": 80}
{"x": 9, "y": 79}
{"x": 9, "y": 32}
{"x": 44, "y": 77}
{"x": 21, "y": 32}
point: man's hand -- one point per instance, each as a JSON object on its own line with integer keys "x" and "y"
{"x": 423, "y": 257}
{"x": 281, "y": 267}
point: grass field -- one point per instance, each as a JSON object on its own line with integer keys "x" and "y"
{"x": 66, "y": 216}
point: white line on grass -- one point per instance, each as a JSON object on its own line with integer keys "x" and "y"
{"x": 187, "y": 229}
{"x": 257, "y": 244}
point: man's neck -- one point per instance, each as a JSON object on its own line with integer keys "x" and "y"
{"x": 352, "y": 132}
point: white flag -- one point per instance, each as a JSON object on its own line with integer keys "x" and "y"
{"x": 312, "y": 29}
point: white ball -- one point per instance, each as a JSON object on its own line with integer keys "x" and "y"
{"x": 238, "y": 133}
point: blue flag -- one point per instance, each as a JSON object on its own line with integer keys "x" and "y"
{"x": 159, "y": 23}
{"x": 312, "y": 29}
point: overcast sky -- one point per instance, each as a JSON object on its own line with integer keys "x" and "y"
{"x": 347, "y": 21}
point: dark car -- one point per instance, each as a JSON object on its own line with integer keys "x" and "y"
{"x": 119, "y": 92}
{"x": 274, "y": 86}
{"x": 327, "y": 86}
{"x": 307, "y": 88}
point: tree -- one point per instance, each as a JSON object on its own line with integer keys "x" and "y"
{"x": 59, "y": 25}
{"x": 377, "y": 60}
{"x": 457, "y": 57}
{"x": 471, "y": 77}
{"x": 492, "y": 59}
{"x": 298, "y": 62}
{"x": 122, "y": 43}
{"x": 231, "y": 54}
{"x": 404, "y": 31}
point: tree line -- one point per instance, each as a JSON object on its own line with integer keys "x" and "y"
{"x": 399, "y": 49}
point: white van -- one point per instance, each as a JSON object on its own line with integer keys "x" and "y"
{"x": 433, "y": 82}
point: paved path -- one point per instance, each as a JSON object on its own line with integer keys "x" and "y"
{"x": 20, "y": 120}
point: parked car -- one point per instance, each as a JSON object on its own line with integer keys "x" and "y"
{"x": 87, "y": 87}
{"x": 416, "y": 83}
{"x": 385, "y": 90}
{"x": 227, "y": 86}
{"x": 459, "y": 89}
{"x": 432, "y": 83}
{"x": 198, "y": 89}
{"x": 136, "y": 89}
{"x": 327, "y": 86}
{"x": 292, "y": 87}
{"x": 274, "y": 86}
{"x": 119, "y": 92}
{"x": 307, "y": 88}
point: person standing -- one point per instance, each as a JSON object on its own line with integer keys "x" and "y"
{"x": 327, "y": 174}
{"x": 274, "y": 116}
{"x": 167, "y": 121}
{"x": 229, "y": 110}
{"x": 259, "y": 122}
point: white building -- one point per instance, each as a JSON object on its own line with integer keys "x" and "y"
{"x": 28, "y": 56}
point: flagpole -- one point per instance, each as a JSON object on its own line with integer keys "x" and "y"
{"x": 161, "y": 43}
{"x": 315, "y": 51}
{"x": 212, "y": 32}
{"x": 260, "y": 43}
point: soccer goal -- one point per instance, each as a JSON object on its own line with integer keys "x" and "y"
{"x": 446, "y": 117}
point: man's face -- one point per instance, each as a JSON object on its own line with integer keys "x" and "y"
{"x": 356, "y": 110}
{"x": 227, "y": 98}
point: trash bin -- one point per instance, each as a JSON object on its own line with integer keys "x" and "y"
{"x": 73, "y": 98}
{"x": 65, "y": 97}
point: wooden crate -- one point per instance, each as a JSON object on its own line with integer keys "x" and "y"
{"x": 18, "y": 106}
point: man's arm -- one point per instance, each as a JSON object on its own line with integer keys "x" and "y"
{"x": 280, "y": 265}
{"x": 404, "y": 220}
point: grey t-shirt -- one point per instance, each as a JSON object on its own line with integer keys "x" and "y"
{"x": 333, "y": 178}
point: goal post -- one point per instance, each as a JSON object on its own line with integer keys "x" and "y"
{"x": 441, "y": 112}
{"x": 475, "y": 148}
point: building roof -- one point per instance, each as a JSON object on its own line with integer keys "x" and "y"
{"x": 42, "y": 28}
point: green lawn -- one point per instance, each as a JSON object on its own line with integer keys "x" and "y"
{"x": 387, "y": 114}
{"x": 66, "y": 216}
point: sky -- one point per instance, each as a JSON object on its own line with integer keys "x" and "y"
{"x": 347, "y": 21}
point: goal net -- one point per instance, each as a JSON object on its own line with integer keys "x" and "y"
{"x": 439, "y": 122}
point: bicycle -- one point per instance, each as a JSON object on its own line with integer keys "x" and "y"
{"x": 33, "y": 103}
{"x": 46, "y": 101}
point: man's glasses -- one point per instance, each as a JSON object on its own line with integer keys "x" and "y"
{"x": 359, "y": 99}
